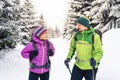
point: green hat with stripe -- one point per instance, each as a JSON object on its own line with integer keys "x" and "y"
{"x": 83, "y": 20}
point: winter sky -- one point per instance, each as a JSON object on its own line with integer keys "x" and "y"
{"x": 54, "y": 11}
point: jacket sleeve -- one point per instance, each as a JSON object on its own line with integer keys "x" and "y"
{"x": 52, "y": 48}
{"x": 72, "y": 48}
{"x": 26, "y": 50}
{"x": 97, "y": 52}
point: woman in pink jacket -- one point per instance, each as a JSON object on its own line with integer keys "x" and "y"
{"x": 38, "y": 52}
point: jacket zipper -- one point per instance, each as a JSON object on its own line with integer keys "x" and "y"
{"x": 42, "y": 56}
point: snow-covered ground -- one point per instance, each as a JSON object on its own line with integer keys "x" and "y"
{"x": 109, "y": 68}
{"x": 14, "y": 67}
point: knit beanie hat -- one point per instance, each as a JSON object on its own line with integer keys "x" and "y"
{"x": 83, "y": 20}
{"x": 40, "y": 31}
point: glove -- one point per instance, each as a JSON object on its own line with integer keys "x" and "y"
{"x": 50, "y": 52}
{"x": 92, "y": 62}
{"x": 33, "y": 54}
{"x": 67, "y": 62}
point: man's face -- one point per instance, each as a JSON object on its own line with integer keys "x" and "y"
{"x": 81, "y": 27}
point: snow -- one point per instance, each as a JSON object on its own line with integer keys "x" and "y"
{"x": 115, "y": 11}
{"x": 14, "y": 67}
{"x": 109, "y": 67}
{"x": 1, "y": 4}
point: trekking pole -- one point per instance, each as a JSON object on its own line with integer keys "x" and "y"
{"x": 69, "y": 70}
{"x": 93, "y": 74}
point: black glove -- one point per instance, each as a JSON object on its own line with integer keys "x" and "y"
{"x": 92, "y": 62}
{"x": 67, "y": 62}
{"x": 33, "y": 54}
{"x": 50, "y": 52}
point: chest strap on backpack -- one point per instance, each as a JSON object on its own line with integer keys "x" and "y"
{"x": 79, "y": 61}
{"x": 32, "y": 65}
{"x": 47, "y": 65}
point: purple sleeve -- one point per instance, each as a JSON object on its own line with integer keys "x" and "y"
{"x": 52, "y": 48}
{"x": 26, "y": 51}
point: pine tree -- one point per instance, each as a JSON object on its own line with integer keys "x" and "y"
{"x": 50, "y": 32}
{"x": 8, "y": 29}
{"x": 27, "y": 21}
{"x": 41, "y": 21}
{"x": 57, "y": 32}
{"x": 77, "y": 8}
{"x": 103, "y": 14}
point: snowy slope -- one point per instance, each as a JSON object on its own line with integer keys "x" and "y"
{"x": 14, "y": 67}
{"x": 110, "y": 68}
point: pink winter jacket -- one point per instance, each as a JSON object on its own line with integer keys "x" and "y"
{"x": 41, "y": 58}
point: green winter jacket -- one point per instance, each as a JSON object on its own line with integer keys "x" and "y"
{"x": 84, "y": 51}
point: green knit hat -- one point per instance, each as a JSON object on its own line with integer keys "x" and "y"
{"x": 84, "y": 21}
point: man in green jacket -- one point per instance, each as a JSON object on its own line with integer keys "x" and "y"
{"x": 87, "y": 58}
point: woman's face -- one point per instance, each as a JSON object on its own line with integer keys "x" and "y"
{"x": 81, "y": 27}
{"x": 44, "y": 36}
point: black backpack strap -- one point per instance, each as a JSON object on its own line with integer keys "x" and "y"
{"x": 34, "y": 52}
{"x": 48, "y": 48}
{"x": 34, "y": 45}
{"x": 93, "y": 35}
{"x": 48, "y": 64}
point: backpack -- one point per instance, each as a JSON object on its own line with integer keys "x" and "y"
{"x": 99, "y": 33}
{"x": 48, "y": 63}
